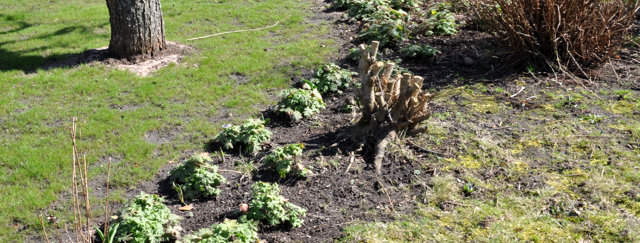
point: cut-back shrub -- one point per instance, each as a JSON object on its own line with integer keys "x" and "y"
{"x": 196, "y": 177}
{"x": 146, "y": 219}
{"x": 574, "y": 34}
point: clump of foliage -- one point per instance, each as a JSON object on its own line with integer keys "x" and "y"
{"x": 331, "y": 79}
{"x": 384, "y": 20}
{"x": 419, "y": 52}
{"x": 386, "y": 26}
{"x": 250, "y": 136}
{"x": 228, "y": 231}
{"x": 195, "y": 177}
{"x": 269, "y": 206}
{"x": 575, "y": 34}
{"x": 285, "y": 160}
{"x": 146, "y": 219}
{"x": 440, "y": 21}
{"x": 404, "y": 4}
{"x": 297, "y": 104}
{"x": 361, "y": 9}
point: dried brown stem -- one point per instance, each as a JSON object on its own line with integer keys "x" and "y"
{"x": 44, "y": 230}
{"x": 573, "y": 34}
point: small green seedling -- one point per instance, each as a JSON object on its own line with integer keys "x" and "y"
{"x": 250, "y": 136}
{"x": 196, "y": 178}
{"x": 297, "y": 104}
{"x": 419, "y": 52}
{"x": 285, "y": 160}
{"x": 331, "y": 78}
{"x": 227, "y": 231}
{"x": 269, "y": 206}
{"x": 145, "y": 219}
{"x": 440, "y": 21}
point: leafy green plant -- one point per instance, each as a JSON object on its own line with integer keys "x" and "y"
{"x": 195, "y": 178}
{"x": 419, "y": 52}
{"x": 361, "y": 9}
{"x": 146, "y": 219}
{"x": 111, "y": 234}
{"x": 285, "y": 160}
{"x": 593, "y": 118}
{"x": 468, "y": 188}
{"x": 440, "y": 21}
{"x": 269, "y": 206}
{"x": 331, "y": 78}
{"x": 386, "y": 26}
{"x": 227, "y": 231}
{"x": 297, "y": 104}
{"x": 250, "y": 135}
{"x": 404, "y": 4}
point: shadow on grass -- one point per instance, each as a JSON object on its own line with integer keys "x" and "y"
{"x": 28, "y": 62}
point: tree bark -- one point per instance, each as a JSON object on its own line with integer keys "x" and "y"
{"x": 137, "y": 28}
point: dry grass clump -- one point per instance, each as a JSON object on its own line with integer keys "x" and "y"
{"x": 572, "y": 34}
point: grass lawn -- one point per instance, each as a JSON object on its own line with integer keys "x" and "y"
{"x": 141, "y": 122}
{"x": 562, "y": 168}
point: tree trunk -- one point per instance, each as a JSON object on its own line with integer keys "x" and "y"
{"x": 137, "y": 28}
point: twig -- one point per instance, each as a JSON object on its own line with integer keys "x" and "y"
{"x": 237, "y": 31}
{"x": 106, "y": 202}
{"x": 86, "y": 195}
{"x": 388, "y": 197}
{"x": 424, "y": 149}
{"x": 517, "y": 93}
{"x": 351, "y": 160}
{"x": 233, "y": 171}
{"x": 457, "y": 204}
{"x": 77, "y": 220}
{"x": 43, "y": 228}
{"x": 67, "y": 231}
{"x": 614, "y": 71}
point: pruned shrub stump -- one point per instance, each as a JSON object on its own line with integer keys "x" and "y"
{"x": 390, "y": 103}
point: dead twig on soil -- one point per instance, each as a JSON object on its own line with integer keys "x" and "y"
{"x": 44, "y": 230}
{"x": 232, "y": 171}
{"x": 107, "y": 210}
{"x": 421, "y": 149}
{"x": 352, "y": 158}
{"x": 238, "y": 31}
{"x": 80, "y": 187}
{"x": 517, "y": 93}
{"x": 457, "y": 204}
{"x": 388, "y": 197}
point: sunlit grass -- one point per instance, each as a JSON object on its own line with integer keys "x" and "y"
{"x": 123, "y": 113}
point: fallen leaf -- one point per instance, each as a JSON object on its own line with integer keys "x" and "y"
{"x": 186, "y": 208}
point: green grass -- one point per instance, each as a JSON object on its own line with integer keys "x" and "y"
{"x": 120, "y": 111}
{"x": 563, "y": 170}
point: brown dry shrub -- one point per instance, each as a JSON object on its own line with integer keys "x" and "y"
{"x": 572, "y": 34}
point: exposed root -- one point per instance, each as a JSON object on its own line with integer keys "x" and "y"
{"x": 380, "y": 150}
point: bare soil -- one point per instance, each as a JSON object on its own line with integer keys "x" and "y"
{"x": 140, "y": 65}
